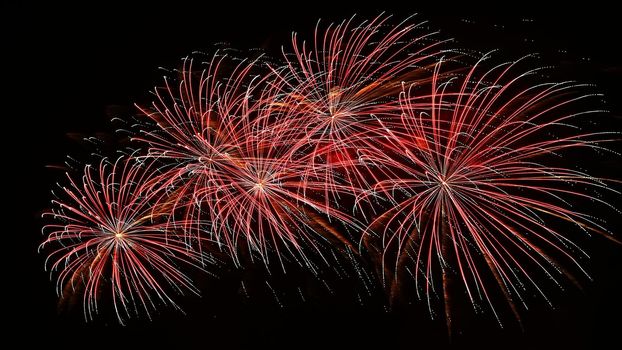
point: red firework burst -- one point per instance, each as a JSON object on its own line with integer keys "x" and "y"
{"x": 226, "y": 169}
{"x": 477, "y": 184}
{"x": 108, "y": 235}
{"x": 334, "y": 93}
{"x": 200, "y": 125}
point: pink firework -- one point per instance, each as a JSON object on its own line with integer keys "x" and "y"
{"x": 336, "y": 91}
{"x": 478, "y": 193}
{"x": 226, "y": 173}
{"x": 108, "y": 236}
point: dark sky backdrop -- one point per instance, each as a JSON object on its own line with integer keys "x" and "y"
{"x": 71, "y": 68}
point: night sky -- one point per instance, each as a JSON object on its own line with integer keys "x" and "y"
{"x": 72, "y": 69}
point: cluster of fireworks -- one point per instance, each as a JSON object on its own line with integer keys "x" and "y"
{"x": 432, "y": 165}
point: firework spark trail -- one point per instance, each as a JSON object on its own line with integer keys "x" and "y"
{"x": 476, "y": 186}
{"x": 107, "y": 235}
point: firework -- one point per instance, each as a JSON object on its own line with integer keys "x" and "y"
{"x": 334, "y": 93}
{"x": 480, "y": 189}
{"x": 225, "y": 170}
{"x": 373, "y": 141}
{"x": 201, "y": 122}
{"x": 107, "y": 236}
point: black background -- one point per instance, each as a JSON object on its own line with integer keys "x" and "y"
{"x": 70, "y": 69}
